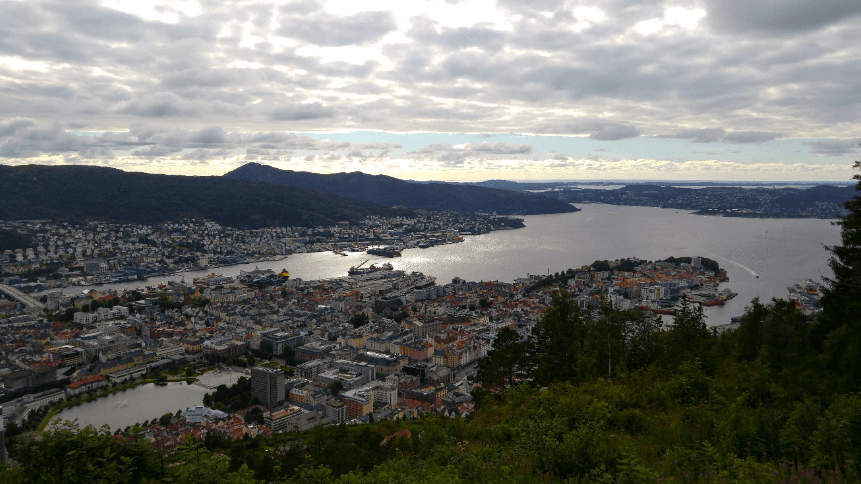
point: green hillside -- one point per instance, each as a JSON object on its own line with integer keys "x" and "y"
{"x": 72, "y": 192}
{"x": 385, "y": 190}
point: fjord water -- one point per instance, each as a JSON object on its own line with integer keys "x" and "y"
{"x": 780, "y": 251}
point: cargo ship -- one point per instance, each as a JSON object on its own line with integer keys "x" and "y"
{"x": 384, "y": 252}
{"x": 359, "y": 270}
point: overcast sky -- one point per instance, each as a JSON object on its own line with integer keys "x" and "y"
{"x": 446, "y": 90}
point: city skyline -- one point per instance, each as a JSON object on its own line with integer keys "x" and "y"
{"x": 444, "y": 90}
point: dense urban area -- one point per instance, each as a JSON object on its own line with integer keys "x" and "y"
{"x": 379, "y": 342}
{"x": 51, "y": 254}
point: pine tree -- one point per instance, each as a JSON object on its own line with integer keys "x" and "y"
{"x": 558, "y": 341}
{"x": 837, "y": 331}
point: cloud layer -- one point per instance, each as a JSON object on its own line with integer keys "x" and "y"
{"x": 228, "y": 82}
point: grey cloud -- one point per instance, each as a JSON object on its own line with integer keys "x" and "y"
{"x": 598, "y": 129}
{"x": 160, "y": 105}
{"x": 301, "y": 7}
{"x": 291, "y": 141}
{"x": 208, "y": 135}
{"x": 157, "y": 151}
{"x": 327, "y": 30}
{"x": 96, "y": 21}
{"x": 518, "y": 6}
{"x": 479, "y": 35}
{"x": 11, "y": 126}
{"x": 76, "y": 124}
{"x": 458, "y": 153}
{"x": 498, "y": 148}
{"x": 465, "y": 79}
{"x": 704, "y": 135}
{"x": 300, "y": 112}
{"x": 377, "y": 146}
{"x": 834, "y": 147}
{"x": 25, "y": 139}
{"x": 778, "y": 17}
{"x": 97, "y": 152}
{"x": 205, "y": 77}
{"x": 204, "y": 154}
{"x": 718, "y": 135}
{"x": 614, "y": 132}
{"x": 740, "y": 137}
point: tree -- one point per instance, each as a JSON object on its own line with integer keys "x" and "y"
{"x": 255, "y": 415}
{"x": 165, "y": 419}
{"x": 688, "y": 337}
{"x": 505, "y": 363}
{"x": 359, "y": 320}
{"x": 335, "y": 387}
{"x": 643, "y": 338}
{"x": 558, "y": 340}
{"x": 751, "y": 331}
{"x": 837, "y": 331}
{"x": 607, "y": 339}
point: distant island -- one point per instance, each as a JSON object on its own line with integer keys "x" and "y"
{"x": 771, "y": 200}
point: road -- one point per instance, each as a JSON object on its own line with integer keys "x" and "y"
{"x": 21, "y": 297}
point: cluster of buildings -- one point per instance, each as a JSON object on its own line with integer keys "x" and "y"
{"x": 101, "y": 252}
{"x": 819, "y": 202}
{"x": 379, "y": 345}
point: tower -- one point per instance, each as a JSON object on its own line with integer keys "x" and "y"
{"x": 267, "y": 384}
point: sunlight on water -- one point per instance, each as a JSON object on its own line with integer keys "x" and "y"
{"x": 780, "y": 251}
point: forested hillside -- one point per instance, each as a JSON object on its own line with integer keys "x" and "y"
{"x": 385, "y": 190}
{"x": 71, "y": 192}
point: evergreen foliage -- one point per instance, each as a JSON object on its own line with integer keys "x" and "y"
{"x": 839, "y": 331}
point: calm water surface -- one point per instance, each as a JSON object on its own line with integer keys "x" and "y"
{"x": 780, "y": 251}
{"x": 135, "y": 405}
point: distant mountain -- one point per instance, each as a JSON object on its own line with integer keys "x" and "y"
{"x": 37, "y": 192}
{"x": 386, "y": 190}
{"x": 824, "y": 201}
{"x": 10, "y": 240}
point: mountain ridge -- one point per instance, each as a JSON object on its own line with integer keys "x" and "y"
{"x": 390, "y": 191}
{"x": 40, "y": 191}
